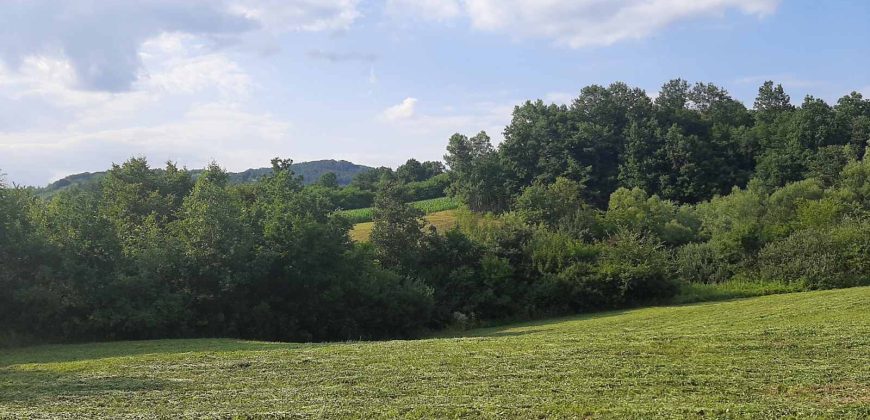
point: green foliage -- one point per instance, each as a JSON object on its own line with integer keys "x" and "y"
{"x": 414, "y": 171}
{"x": 477, "y": 174}
{"x": 733, "y": 223}
{"x": 781, "y": 208}
{"x": 634, "y": 210}
{"x": 820, "y": 258}
{"x": 559, "y": 204}
{"x": 636, "y": 267}
{"x": 692, "y": 143}
{"x": 701, "y": 263}
{"x": 328, "y": 180}
{"x": 396, "y": 234}
{"x": 426, "y": 206}
{"x": 433, "y": 187}
{"x": 606, "y": 203}
{"x": 148, "y": 253}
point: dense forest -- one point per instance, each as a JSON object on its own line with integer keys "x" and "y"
{"x": 614, "y": 200}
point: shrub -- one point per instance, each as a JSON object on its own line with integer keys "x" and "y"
{"x": 820, "y": 258}
{"x": 780, "y": 216}
{"x": 638, "y": 268}
{"x": 636, "y": 211}
{"x": 700, "y": 263}
{"x": 733, "y": 223}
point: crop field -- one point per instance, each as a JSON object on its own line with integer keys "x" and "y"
{"x": 428, "y": 206}
{"x": 798, "y": 354}
{"x": 442, "y": 220}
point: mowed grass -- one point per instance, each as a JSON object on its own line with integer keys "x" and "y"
{"x": 800, "y": 354}
{"x": 427, "y": 206}
{"x": 441, "y": 220}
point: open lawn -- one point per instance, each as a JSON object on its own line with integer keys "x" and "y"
{"x": 800, "y": 354}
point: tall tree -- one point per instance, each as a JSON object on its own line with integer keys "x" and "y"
{"x": 396, "y": 233}
{"x": 477, "y": 173}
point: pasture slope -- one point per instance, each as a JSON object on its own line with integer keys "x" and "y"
{"x": 800, "y": 354}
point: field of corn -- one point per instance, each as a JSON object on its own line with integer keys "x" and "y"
{"x": 428, "y": 206}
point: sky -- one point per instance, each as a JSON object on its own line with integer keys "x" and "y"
{"x": 88, "y": 83}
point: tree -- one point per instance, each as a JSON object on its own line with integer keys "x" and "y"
{"x": 771, "y": 101}
{"x": 328, "y": 180}
{"x": 534, "y": 146}
{"x": 433, "y": 168}
{"x": 216, "y": 246}
{"x": 411, "y": 171}
{"x": 555, "y": 205}
{"x": 370, "y": 180}
{"x": 396, "y": 233}
{"x": 478, "y": 176}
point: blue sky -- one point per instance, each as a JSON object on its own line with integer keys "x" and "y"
{"x": 85, "y": 83}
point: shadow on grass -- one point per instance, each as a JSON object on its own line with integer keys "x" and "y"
{"x": 25, "y": 386}
{"x": 511, "y": 329}
{"x": 61, "y": 353}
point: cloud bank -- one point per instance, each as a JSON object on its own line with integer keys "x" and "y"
{"x": 101, "y": 39}
{"x": 576, "y": 23}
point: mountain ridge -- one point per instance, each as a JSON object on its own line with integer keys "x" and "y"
{"x": 310, "y": 172}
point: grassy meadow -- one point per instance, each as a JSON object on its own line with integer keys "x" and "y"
{"x": 798, "y": 354}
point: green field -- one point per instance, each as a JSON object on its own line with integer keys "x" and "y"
{"x": 428, "y": 206}
{"x": 800, "y": 354}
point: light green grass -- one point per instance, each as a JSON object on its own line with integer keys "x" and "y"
{"x": 800, "y": 354}
{"x": 428, "y": 206}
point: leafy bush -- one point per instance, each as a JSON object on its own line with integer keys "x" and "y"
{"x": 636, "y": 268}
{"x": 820, "y": 258}
{"x": 634, "y": 210}
{"x": 781, "y": 208}
{"x": 701, "y": 263}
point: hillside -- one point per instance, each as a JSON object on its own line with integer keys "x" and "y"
{"x": 310, "y": 172}
{"x": 802, "y": 354}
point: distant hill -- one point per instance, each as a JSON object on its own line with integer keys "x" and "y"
{"x": 310, "y": 171}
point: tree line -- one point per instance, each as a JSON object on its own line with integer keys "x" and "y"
{"x": 613, "y": 201}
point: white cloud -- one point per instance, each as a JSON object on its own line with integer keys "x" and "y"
{"x": 491, "y": 117}
{"x": 236, "y": 138}
{"x": 402, "y": 111}
{"x": 425, "y": 9}
{"x": 299, "y": 15}
{"x": 187, "y": 104}
{"x": 581, "y": 23}
{"x": 175, "y": 62}
{"x": 101, "y": 41}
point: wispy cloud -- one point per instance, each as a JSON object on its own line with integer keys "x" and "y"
{"x": 402, "y": 111}
{"x": 337, "y": 57}
{"x": 576, "y": 23}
